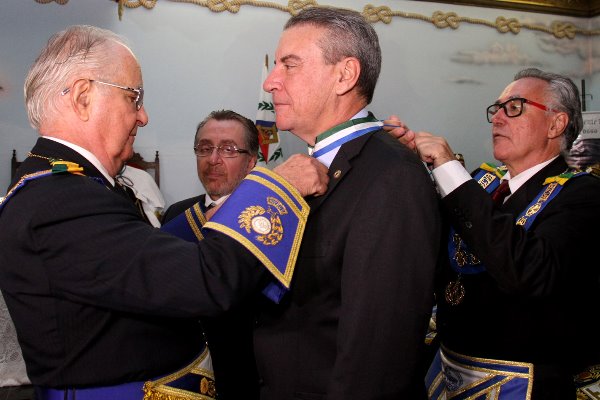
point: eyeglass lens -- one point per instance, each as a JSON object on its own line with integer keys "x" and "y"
{"x": 139, "y": 98}
{"x": 139, "y": 101}
{"x": 512, "y": 108}
{"x": 226, "y": 151}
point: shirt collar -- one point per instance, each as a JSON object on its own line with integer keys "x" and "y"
{"x": 519, "y": 180}
{"x": 87, "y": 155}
{"x": 208, "y": 201}
{"x": 361, "y": 114}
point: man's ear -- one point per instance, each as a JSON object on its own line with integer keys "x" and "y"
{"x": 252, "y": 162}
{"x": 81, "y": 96}
{"x": 559, "y": 124}
{"x": 348, "y": 71}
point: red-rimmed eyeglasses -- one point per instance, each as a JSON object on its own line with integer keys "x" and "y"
{"x": 513, "y": 107}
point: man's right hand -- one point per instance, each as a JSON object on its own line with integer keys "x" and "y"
{"x": 305, "y": 173}
{"x": 433, "y": 150}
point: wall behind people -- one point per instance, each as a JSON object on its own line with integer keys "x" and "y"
{"x": 196, "y": 60}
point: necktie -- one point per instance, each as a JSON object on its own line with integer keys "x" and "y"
{"x": 211, "y": 205}
{"x": 500, "y": 193}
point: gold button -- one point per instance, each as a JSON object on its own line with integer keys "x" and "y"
{"x": 337, "y": 174}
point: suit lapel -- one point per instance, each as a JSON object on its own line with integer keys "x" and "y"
{"x": 340, "y": 167}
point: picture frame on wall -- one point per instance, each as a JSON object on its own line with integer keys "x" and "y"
{"x": 573, "y": 8}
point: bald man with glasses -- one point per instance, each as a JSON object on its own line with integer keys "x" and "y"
{"x": 517, "y": 298}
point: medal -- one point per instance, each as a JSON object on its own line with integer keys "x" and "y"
{"x": 455, "y": 292}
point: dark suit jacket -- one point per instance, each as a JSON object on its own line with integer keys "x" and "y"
{"x": 177, "y": 208}
{"x": 229, "y": 337}
{"x": 99, "y": 297}
{"x": 537, "y": 299}
{"x": 354, "y": 323}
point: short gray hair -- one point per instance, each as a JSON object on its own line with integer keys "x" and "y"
{"x": 78, "y": 49}
{"x": 349, "y": 35}
{"x": 564, "y": 96}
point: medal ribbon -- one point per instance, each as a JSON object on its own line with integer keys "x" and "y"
{"x": 58, "y": 167}
{"x": 553, "y": 186}
{"x": 22, "y": 182}
{"x": 329, "y": 142}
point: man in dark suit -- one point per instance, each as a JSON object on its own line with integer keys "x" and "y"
{"x": 517, "y": 298}
{"x": 102, "y": 302}
{"x": 226, "y": 147}
{"x": 354, "y": 322}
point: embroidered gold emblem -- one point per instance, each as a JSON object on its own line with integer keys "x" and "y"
{"x": 261, "y": 225}
{"x": 207, "y": 387}
{"x": 461, "y": 256}
{"x": 455, "y": 292}
{"x": 533, "y": 209}
{"x": 545, "y": 196}
{"x": 269, "y": 230}
{"x": 486, "y": 179}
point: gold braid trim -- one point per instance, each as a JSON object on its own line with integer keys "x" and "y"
{"x": 373, "y": 14}
{"x": 160, "y": 390}
{"x": 594, "y": 169}
{"x": 385, "y": 14}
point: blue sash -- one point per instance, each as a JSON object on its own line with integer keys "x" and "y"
{"x": 459, "y": 377}
{"x": 188, "y": 225}
{"x": 554, "y": 185}
{"x": 462, "y": 260}
{"x": 58, "y": 167}
{"x": 266, "y": 215}
{"x": 126, "y": 391}
{"x": 193, "y": 382}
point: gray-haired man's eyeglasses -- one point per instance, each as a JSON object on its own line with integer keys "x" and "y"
{"x": 139, "y": 92}
{"x": 513, "y": 107}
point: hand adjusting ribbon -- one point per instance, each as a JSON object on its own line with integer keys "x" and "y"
{"x": 265, "y": 214}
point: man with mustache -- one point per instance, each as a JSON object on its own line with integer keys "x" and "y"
{"x": 226, "y": 148}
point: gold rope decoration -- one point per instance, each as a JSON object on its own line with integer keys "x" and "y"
{"x": 384, "y": 14}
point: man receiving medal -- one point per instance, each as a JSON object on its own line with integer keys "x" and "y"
{"x": 353, "y": 324}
